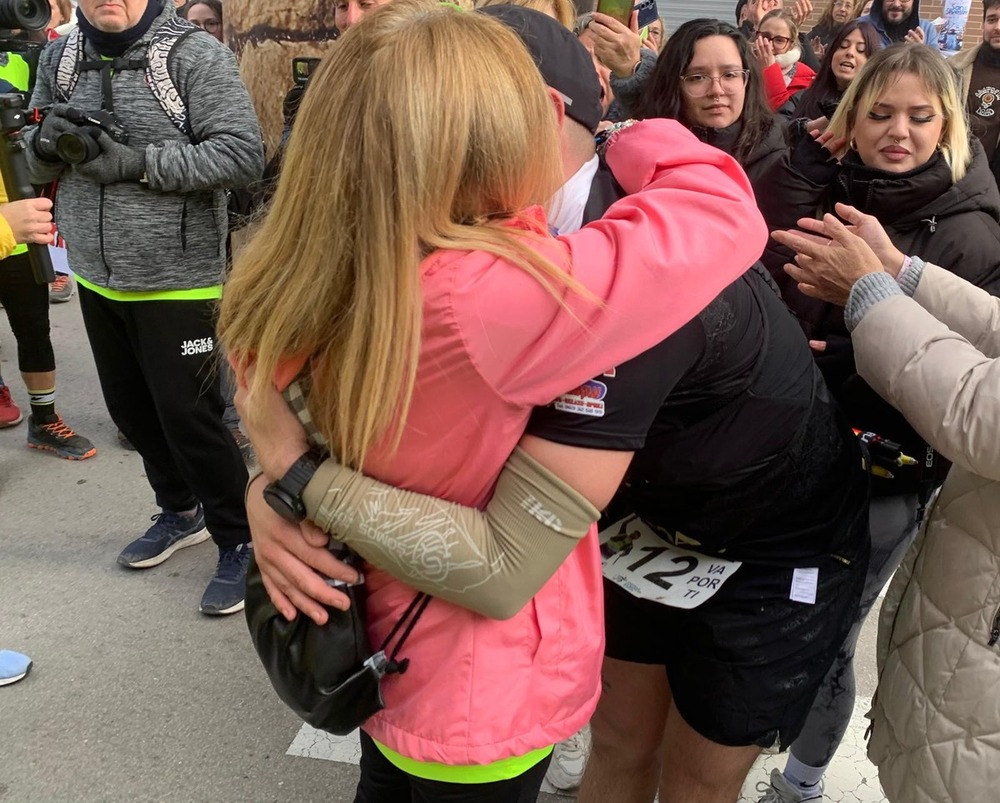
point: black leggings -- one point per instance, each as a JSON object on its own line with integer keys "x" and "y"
{"x": 27, "y": 306}
{"x": 383, "y": 782}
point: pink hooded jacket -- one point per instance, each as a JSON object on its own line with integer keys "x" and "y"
{"x": 495, "y": 345}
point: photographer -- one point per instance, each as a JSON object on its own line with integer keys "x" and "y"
{"x": 26, "y": 303}
{"x": 146, "y": 124}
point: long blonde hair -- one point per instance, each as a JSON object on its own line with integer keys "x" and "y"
{"x": 936, "y": 76}
{"x": 423, "y": 129}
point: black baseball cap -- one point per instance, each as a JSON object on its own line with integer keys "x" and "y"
{"x": 564, "y": 63}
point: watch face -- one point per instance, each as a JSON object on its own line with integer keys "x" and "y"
{"x": 284, "y": 504}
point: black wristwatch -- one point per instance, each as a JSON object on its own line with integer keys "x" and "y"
{"x": 285, "y": 495}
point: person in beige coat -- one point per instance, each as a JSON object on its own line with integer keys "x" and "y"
{"x": 929, "y": 343}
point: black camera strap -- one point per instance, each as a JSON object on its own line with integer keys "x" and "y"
{"x": 107, "y": 68}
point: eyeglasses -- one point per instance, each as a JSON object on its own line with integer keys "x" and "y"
{"x": 848, "y": 4}
{"x": 697, "y": 85}
{"x": 777, "y": 41}
{"x": 212, "y": 26}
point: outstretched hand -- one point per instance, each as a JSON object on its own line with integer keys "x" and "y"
{"x": 829, "y": 256}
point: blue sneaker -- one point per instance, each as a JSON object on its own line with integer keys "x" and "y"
{"x": 227, "y": 587}
{"x": 170, "y": 532}
{"x": 13, "y": 667}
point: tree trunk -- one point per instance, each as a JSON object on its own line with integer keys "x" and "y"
{"x": 266, "y": 35}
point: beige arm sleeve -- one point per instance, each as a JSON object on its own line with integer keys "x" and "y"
{"x": 491, "y": 561}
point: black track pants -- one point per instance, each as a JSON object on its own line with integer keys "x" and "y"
{"x": 157, "y": 363}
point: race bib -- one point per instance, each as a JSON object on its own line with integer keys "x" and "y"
{"x": 641, "y": 562}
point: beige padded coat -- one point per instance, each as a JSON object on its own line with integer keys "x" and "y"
{"x": 936, "y": 714}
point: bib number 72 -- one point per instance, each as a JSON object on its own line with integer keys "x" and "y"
{"x": 640, "y": 561}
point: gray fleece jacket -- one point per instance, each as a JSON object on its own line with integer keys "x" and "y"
{"x": 169, "y": 233}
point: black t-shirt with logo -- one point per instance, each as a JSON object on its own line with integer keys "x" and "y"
{"x": 737, "y": 442}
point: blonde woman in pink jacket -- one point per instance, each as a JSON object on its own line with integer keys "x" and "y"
{"x": 420, "y": 291}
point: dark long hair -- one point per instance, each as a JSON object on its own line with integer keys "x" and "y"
{"x": 215, "y": 5}
{"x": 824, "y": 85}
{"x": 663, "y": 97}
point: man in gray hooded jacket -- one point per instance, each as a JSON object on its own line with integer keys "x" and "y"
{"x": 145, "y": 223}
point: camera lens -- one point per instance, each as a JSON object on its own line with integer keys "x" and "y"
{"x": 28, "y": 15}
{"x": 76, "y": 148}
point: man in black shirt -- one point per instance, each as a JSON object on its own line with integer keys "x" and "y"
{"x": 736, "y": 551}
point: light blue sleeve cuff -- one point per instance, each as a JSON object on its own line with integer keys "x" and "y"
{"x": 909, "y": 277}
{"x": 868, "y": 291}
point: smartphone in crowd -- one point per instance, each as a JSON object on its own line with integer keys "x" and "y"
{"x": 647, "y": 13}
{"x": 621, "y": 10}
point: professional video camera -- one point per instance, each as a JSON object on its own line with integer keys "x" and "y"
{"x": 14, "y": 169}
{"x": 27, "y": 15}
{"x": 78, "y": 147}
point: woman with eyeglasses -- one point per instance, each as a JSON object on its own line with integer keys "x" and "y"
{"x": 837, "y": 13}
{"x": 708, "y": 80}
{"x": 776, "y": 48}
{"x": 899, "y": 149}
{"x": 206, "y": 14}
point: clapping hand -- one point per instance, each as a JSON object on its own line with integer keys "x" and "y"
{"x": 801, "y": 11}
{"x": 830, "y": 256}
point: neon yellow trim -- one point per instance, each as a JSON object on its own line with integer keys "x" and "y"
{"x": 198, "y": 294}
{"x": 16, "y": 72}
{"x": 502, "y": 770}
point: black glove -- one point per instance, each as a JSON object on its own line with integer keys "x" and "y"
{"x": 54, "y": 125}
{"x": 116, "y": 163}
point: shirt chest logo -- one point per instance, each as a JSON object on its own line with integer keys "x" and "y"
{"x": 987, "y": 96}
{"x": 588, "y": 399}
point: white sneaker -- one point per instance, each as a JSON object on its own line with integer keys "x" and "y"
{"x": 781, "y": 791}
{"x": 569, "y": 760}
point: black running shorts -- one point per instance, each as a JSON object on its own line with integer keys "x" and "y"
{"x": 745, "y": 666}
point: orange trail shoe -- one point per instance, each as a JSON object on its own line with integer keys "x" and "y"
{"x": 58, "y": 438}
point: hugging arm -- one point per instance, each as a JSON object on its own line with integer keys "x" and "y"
{"x": 491, "y": 561}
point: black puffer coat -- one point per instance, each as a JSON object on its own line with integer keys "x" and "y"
{"x": 955, "y": 225}
{"x": 759, "y": 164}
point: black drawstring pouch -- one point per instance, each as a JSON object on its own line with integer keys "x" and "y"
{"x": 327, "y": 674}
